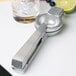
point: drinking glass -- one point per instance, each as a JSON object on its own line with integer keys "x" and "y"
{"x": 25, "y": 11}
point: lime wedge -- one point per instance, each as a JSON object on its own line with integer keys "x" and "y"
{"x": 67, "y": 5}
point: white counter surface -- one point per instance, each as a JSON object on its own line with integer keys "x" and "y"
{"x": 57, "y": 57}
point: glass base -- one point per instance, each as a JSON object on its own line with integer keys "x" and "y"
{"x": 25, "y": 19}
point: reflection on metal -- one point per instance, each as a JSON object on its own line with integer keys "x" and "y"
{"x": 47, "y": 24}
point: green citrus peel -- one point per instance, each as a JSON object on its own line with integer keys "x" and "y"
{"x": 67, "y": 5}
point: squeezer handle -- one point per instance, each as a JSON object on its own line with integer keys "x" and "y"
{"x": 24, "y": 56}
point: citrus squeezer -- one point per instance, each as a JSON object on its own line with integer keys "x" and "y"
{"x": 47, "y": 24}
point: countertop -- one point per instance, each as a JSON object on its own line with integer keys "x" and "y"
{"x": 57, "y": 57}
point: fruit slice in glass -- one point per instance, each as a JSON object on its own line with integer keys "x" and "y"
{"x": 2, "y": 0}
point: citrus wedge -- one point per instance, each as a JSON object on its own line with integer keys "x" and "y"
{"x": 67, "y": 5}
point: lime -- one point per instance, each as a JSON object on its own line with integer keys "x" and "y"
{"x": 67, "y": 5}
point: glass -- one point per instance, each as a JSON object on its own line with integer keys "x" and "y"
{"x": 25, "y": 11}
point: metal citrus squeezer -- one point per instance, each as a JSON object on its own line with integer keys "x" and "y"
{"x": 47, "y": 24}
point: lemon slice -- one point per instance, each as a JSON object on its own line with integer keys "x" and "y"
{"x": 67, "y": 5}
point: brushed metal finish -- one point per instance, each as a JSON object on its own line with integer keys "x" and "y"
{"x": 53, "y": 20}
{"x": 26, "y": 52}
{"x": 47, "y": 24}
